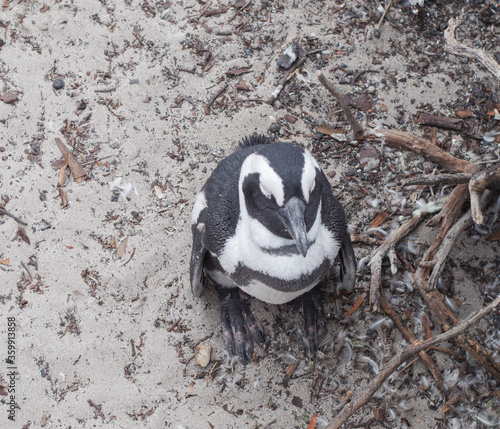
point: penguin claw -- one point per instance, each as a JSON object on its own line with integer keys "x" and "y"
{"x": 311, "y": 307}
{"x": 239, "y": 325}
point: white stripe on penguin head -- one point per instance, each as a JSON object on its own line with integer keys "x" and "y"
{"x": 270, "y": 182}
{"x": 308, "y": 178}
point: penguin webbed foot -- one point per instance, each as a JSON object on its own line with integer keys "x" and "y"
{"x": 311, "y": 306}
{"x": 240, "y": 328}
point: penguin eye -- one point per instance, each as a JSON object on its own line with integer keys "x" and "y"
{"x": 265, "y": 191}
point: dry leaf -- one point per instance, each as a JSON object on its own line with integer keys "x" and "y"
{"x": 236, "y": 71}
{"x": 76, "y": 168}
{"x": 64, "y": 197}
{"x": 378, "y": 219}
{"x": 62, "y": 172}
{"x": 5, "y": 261}
{"x": 22, "y": 234}
{"x": 358, "y": 303}
{"x": 464, "y": 114}
{"x": 122, "y": 248}
{"x": 325, "y": 129}
{"x": 312, "y": 423}
{"x": 494, "y": 236}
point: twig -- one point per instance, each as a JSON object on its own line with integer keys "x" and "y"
{"x": 477, "y": 185}
{"x": 5, "y": 212}
{"x": 216, "y": 95}
{"x": 284, "y": 80}
{"x": 410, "y": 337}
{"x": 339, "y": 96}
{"x": 377, "y": 258}
{"x": 408, "y": 141}
{"x": 480, "y": 355}
{"x": 362, "y": 397}
{"x": 451, "y": 238}
{"x": 389, "y": 4}
{"x": 173, "y": 325}
{"x": 438, "y": 179}
{"x": 456, "y": 48}
{"x": 129, "y": 259}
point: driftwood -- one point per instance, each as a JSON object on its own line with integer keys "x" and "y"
{"x": 477, "y": 185}
{"x": 438, "y": 179}
{"x": 361, "y": 397}
{"x": 456, "y": 48}
{"x": 377, "y": 258}
{"x": 433, "y": 259}
{"x": 444, "y": 122}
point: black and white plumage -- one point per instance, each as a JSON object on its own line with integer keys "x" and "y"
{"x": 267, "y": 223}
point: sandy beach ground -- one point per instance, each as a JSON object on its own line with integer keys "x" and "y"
{"x": 98, "y": 290}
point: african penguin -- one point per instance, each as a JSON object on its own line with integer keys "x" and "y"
{"x": 266, "y": 223}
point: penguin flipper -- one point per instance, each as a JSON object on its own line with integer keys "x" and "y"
{"x": 198, "y": 253}
{"x": 347, "y": 263}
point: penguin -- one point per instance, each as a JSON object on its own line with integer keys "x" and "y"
{"x": 267, "y": 225}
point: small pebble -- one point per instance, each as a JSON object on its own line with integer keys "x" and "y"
{"x": 82, "y": 105}
{"x": 58, "y": 84}
{"x": 288, "y": 57}
{"x": 274, "y": 128}
{"x": 202, "y": 355}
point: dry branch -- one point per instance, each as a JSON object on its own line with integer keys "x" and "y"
{"x": 7, "y": 213}
{"x": 438, "y": 179}
{"x": 284, "y": 80}
{"x": 377, "y": 258}
{"x": 362, "y": 397}
{"x": 477, "y": 185}
{"x": 456, "y": 48}
{"x": 410, "y": 337}
{"x": 408, "y": 141}
{"x": 356, "y": 127}
{"x": 451, "y": 238}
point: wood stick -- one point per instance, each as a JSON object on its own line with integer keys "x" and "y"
{"x": 284, "y": 80}
{"x": 480, "y": 355}
{"x": 456, "y": 48}
{"x": 477, "y": 185}
{"x": 434, "y": 299}
{"x": 339, "y": 96}
{"x": 444, "y": 122}
{"x": 438, "y": 179}
{"x": 451, "y": 238}
{"x": 408, "y": 141}
{"x": 389, "y": 4}
{"x": 410, "y": 337}
{"x": 217, "y": 94}
{"x": 7, "y": 213}
{"x": 361, "y": 397}
{"x": 377, "y": 258}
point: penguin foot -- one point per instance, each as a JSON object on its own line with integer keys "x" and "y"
{"x": 240, "y": 328}
{"x": 310, "y": 306}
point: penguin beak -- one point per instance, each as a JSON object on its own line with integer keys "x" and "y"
{"x": 292, "y": 216}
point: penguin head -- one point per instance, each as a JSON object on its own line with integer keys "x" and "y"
{"x": 280, "y": 196}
